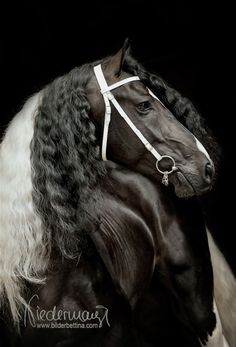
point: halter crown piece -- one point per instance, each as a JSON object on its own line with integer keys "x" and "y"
{"x": 109, "y": 97}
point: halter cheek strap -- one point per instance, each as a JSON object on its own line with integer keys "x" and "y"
{"x": 109, "y": 97}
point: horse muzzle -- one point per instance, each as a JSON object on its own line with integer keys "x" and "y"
{"x": 189, "y": 181}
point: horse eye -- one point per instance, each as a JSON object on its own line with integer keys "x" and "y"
{"x": 144, "y": 106}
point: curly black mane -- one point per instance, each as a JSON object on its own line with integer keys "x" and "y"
{"x": 66, "y": 157}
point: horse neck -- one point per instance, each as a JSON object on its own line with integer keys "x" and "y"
{"x": 140, "y": 220}
{"x": 128, "y": 220}
{"x": 157, "y": 206}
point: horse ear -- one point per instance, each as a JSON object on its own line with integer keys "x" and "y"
{"x": 116, "y": 63}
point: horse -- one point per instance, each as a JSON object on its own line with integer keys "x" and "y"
{"x": 95, "y": 172}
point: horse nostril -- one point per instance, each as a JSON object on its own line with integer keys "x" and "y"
{"x": 209, "y": 171}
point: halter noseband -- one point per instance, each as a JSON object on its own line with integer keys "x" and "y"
{"x": 109, "y": 97}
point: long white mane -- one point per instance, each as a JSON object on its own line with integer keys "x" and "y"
{"x": 23, "y": 253}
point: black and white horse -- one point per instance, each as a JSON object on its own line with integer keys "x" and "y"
{"x": 80, "y": 232}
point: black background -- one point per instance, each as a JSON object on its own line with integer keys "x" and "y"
{"x": 188, "y": 44}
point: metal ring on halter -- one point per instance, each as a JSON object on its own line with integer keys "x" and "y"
{"x": 166, "y": 172}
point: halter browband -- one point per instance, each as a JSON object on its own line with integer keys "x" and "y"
{"x": 109, "y": 97}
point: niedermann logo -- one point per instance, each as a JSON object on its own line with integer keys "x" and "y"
{"x": 65, "y": 319}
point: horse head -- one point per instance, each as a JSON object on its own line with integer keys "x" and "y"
{"x": 190, "y": 168}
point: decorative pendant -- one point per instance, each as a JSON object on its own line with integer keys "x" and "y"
{"x": 165, "y": 178}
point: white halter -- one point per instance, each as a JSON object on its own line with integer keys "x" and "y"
{"x": 109, "y": 97}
